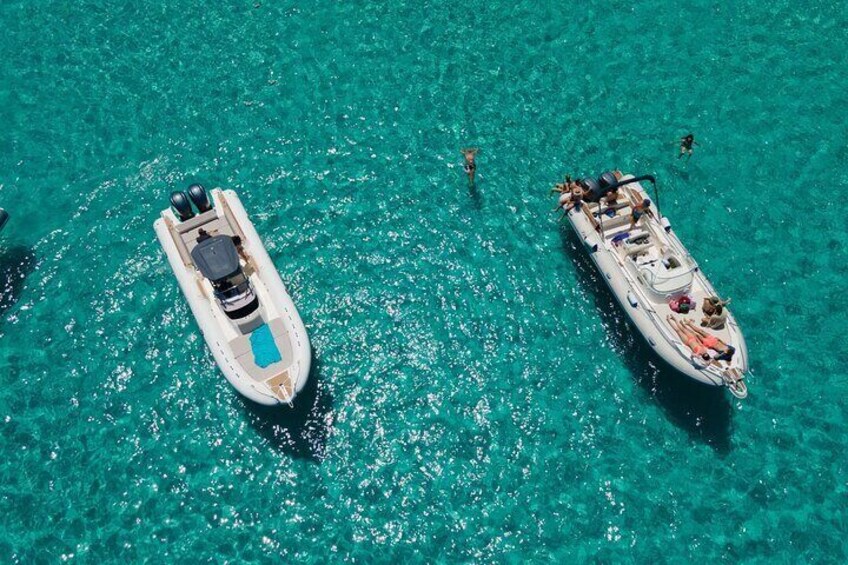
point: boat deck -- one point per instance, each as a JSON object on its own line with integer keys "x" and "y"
{"x": 657, "y": 265}
{"x": 246, "y": 356}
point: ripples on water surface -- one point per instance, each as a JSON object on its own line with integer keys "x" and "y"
{"x": 476, "y": 395}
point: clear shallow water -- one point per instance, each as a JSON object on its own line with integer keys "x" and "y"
{"x": 475, "y": 393}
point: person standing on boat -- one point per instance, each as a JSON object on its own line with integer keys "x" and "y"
{"x": 638, "y": 211}
{"x": 470, "y": 163}
{"x": 686, "y": 143}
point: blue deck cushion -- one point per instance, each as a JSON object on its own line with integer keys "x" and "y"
{"x": 264, "y": 348}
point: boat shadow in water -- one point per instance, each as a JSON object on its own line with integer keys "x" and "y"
{"x": 16, "y": 263}
{"x": 703, "y": 411}
{"x": 301, "y": 430}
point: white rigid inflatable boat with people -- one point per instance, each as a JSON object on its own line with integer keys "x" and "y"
{"x": 655, "y": 279}
{"x": 236, "y": 294}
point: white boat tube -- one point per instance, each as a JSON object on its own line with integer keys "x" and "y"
{"x": 244, "y": 346}
{"x": 646, "y": 267}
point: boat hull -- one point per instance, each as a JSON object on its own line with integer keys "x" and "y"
{"x": 645, "y": 326}
{"x": 637, "y": 310}
{"x": 211, "y": 330}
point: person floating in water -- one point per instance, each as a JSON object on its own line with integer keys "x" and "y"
{"x": 686, "y": 144}
{"x": 470, "y": 165}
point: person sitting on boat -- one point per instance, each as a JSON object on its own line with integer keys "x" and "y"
{"x": 715, "y": 313}
{"x": 638, "y": 211}
{"x": 202, "y": 235}
{"x": 576, "y": 199}
{"x": 563, "y": 200}
{"x": 725, "y": 351}
{"x": 612, "y": 197}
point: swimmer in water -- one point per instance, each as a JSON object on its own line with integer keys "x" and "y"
{"x": 470, "y": 165}
{"x": 686, "y": 144}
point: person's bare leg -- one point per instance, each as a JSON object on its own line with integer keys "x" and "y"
{"x": 693, "y": 328}
{"x": 678, "y": 327}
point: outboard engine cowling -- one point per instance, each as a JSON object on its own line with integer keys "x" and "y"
{"x": 4, "y": 217}
{"x": 200, "y": 198}
{"x": 593, "y": 190}
{"x": 607, "y": 180}
{"x": 182, "y": 205}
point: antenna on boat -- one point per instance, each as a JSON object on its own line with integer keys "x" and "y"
{"x": 600, "y": 220}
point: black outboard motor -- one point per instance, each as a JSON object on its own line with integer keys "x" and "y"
{"x": 198, "y": 195}
{"x": 4, "y": 217}
{"x": 592, "y": 188}
{"x": 182, "y": 205}
{"x": 607, "y": 180}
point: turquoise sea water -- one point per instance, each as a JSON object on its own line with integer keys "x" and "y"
{"x": 476, "y": 396}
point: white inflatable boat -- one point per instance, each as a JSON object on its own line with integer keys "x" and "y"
{"x": 655, "y": 280}
{"x": 245, "y": 314}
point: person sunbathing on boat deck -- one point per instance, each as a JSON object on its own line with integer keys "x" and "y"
{"x": 725, "y": 352}
{"x": 638, "y": 211}
{"x": 690, "y": 339}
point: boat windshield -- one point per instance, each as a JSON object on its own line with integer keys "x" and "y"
{"x": 232, "y": 287}
{"x": 671, "y": 281}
